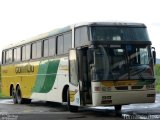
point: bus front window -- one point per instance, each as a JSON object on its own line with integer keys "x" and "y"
{"x": 109, "y": 33}
{"x": 101, "y": 63}
{"x": 126, "y": 62}
{"x": 140, "y": 62}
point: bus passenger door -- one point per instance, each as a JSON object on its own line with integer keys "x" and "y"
{"x": 74, "y": 91}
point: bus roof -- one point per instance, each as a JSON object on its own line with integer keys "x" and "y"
{"x": 68, "y": 28}
{"x": 110, "y": 24}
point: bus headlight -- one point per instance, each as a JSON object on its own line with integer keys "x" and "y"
{"x": 150, "y": 86}
{"x": 97, "y": 89}
{"x": 104, "y": 89}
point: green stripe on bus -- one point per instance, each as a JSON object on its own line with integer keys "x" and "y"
{"x": 46, "y": 76}
{"x": 51, "y": 76}
{"x": 43, "y": 67}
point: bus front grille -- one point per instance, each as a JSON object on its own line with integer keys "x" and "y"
{"x": 136, "y": 87}
{"x": 122, "y": 88}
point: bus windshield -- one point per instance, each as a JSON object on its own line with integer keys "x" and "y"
{"x": 122, "y": 63}
{"x": 103, "y": 33}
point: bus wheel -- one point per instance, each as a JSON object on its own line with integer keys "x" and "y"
{"x": 19, "y": 95}
{"x": 14, "y": 97}
{"x": 118, "y": 108}
{"x": 70, "y": 107}
{"x": 26, "y": 101}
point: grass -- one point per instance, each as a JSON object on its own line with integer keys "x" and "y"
{"x": 158, "y": 88}
{"x": 157, "y": 72}
{"x": 158, "y": 84}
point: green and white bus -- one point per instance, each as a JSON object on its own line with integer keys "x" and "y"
{"x": 88, "y": 64}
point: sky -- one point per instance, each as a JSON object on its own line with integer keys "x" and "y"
{"x": 23, "y": 19}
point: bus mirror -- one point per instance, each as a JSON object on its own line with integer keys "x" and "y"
{"x": 154, "y": 54}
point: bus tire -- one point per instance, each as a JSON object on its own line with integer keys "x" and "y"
{"x": 14, "y": 97}
{"x": 26, "y": 101}
{"x": 20, "y": 100}
{"x": 118, "y": 108}
{"x": 71, "y": 108}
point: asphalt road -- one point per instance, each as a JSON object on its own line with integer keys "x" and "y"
{"x": 39, "y": 110}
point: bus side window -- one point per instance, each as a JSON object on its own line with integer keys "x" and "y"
{"x": 28, "y": 51}
{"x": 67, "y": 42}
{"x": 14, "y": 55}
{"x": 18, "y": 54}
{"x": 84, "y": 35}
{"x": 81, "y": 36}
{"x": 52, "y": 46}
{"x": 60, "y": 45}
{"x": 77, "y": 37}
{"x": 45, "y": 48}
{"x": 3, "y": 57}
{"x": 9, "y": 56}
{"x": 23, "y": 53}
{"x": 39, "y": 49}
{"x": 34, "y": 51}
